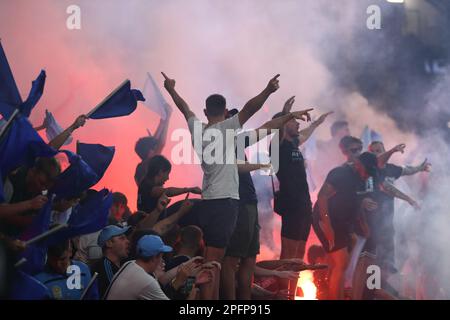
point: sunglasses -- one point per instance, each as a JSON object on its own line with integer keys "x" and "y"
{"x": 355, "y": 150}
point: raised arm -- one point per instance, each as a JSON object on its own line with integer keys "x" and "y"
{"x": 384, "y": 157}
{"x": 59, "y": 140}
{"x": 411, "y": 170}
{"x": 307, "y": 132}
{"x": 391, "y": 190}
{"x": 173, "y": 191}
{"x": 169, "y": 84}
{"x": 165, "y": 225}
{"x": 278, "y": 123}
{"x": 255, "y": 104}
{"x": 161, "y": 131}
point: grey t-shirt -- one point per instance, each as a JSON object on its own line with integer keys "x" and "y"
{"x": 220, "y": 173}
{"x": 132, "y": 282}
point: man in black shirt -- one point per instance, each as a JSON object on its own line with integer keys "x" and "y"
{"x": 346, "y": 191}
{"x": 294, "y": 200}
{"x": 115, "y": 247}
{"x": 24, "y": 194}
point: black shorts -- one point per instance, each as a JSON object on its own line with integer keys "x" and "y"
{"x": 342, "y": 234}
{"x": 244, "y": 242}
{"x": 217, "y": 219}
{"x": 296, "y": 224}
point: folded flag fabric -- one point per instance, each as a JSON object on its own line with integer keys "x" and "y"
{"x": 121, "y": 102}
{"x": 97, "y": 156}
{"x": 78, "y": 177}
{"x": 10, "y": 97}
{"x": 53, "y": 129}
{"x": 21, "y": 145}
{"x": 154, "y": 99}
{"x": 37, "y": 89}
{"x": 91, "y": 215}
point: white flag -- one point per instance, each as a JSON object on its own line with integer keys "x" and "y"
{"x": 154, "y": 100}
{"x": 52, "y": 128}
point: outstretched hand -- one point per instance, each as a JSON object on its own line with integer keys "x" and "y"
{"x": 288, "y": 104}
{"x": 323, "y": 117}
{"x": 400, "y": 148}
{"x": 273, "y": 84}
{"x": 300, "y": 115}
{"x": 169, "y": 84}
{"x": 425, "y": 166}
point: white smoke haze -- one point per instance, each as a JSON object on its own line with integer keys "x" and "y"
{"x": 226, "y": 47}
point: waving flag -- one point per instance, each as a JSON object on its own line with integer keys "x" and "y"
{"x": 154, "y": 99}
{"x": 97, "y": 156}
{"x": 21, "y": 146}
{"x": 53, "y": 129}
{"x": 9, "y": 94}
{"x": 87, "y": 217}
{"x": 121, "y": 102}
{"x": 78, "y": 177}
{"x": 37, "y": 89}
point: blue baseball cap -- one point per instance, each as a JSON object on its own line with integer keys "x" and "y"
{"x": 150, "y": 245}
{"x": 109, "y": 232}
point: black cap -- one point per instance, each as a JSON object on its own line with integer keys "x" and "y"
{"x": 370, "y": 162}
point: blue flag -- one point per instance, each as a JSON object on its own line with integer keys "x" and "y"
{"x": 36, "y": 252}
{"x": 37, "y": 89}
{"x": 25, "y": 287}
{"x": 122, "y": 102}
{"x": 53, "y": 129}
{"x": 97, "y": 156}
{"x": 10, "y": 98}
{"x": 9, "y": 94}
{"x": 87, "y": 217}
{"x": 78, "y": 177}
{"x": 20, "y": 146}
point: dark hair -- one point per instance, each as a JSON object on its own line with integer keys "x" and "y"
{"x": 347, "y": 141}
{"x": 215, "y": 105}
{"x": 337, "y": 125}
{"x": 119, "y": 198}
{"x": 58, "y": 250}
{"x": 155, "y": 165}
{"x": 315, "y": 252}
{"x": 370, "y": 162}
{"x": 48, "y": 166}
{"x": 144, "y": 145}
{"x": 190, "y": 237}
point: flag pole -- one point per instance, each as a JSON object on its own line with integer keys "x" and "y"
{"x": 46, "y": 234}
{"x": 106, "y": 99}
{"x": 89, "y": 285}
{"x": 8, "y": 124}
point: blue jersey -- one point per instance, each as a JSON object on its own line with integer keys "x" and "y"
{"x": 68, "y": 286}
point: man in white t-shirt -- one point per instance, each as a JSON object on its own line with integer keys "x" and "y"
{"x": 220, "y": 192}
{"x": 134, "y": 280}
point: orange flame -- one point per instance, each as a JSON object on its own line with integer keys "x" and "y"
{"x": 306, "y": 284}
